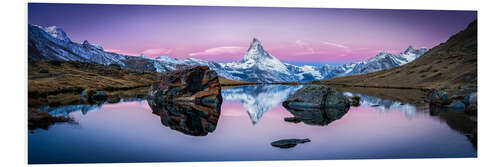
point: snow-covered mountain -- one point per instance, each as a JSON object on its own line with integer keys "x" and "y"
{"x": 257, "y": 65}
{"x": 382, "y": 60}
{"x": 257, "y": 99}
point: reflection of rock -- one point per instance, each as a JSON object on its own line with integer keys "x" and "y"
{"x": 289, "y": 143}
{"x": 318, "y": 116}
{"x": 188, "y": 100}
{"x": 317, "y": 105}
{"x": 292, "y": 119}
{"x": 197, "y": 84}
{"x": 44, "y": 120}
{"x": 257, "y": 99}
{"x": 188, "y": 118}
{"x": 457, "y": 120}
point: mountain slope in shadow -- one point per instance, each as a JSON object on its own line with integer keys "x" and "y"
{"x": 452, "y": 63}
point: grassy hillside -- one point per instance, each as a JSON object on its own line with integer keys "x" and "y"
{"x": 227, "y": 82}
{"x": 59, "y": 82}
{"x": 452, "y": 63}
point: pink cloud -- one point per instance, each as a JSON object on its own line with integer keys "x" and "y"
{"x": 155, "y": 52}
{"x": 335, "y": 45}
{"x": 119, "y": 51}
{"x": 221, "y": 53}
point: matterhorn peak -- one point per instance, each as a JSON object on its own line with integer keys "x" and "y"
{"x": 256, "y": 51}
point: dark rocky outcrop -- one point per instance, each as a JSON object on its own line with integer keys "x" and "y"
{"x": 461, "y": 100}
{"x": 354, "y": 100}
{"x": 93, "y": 96}
{"x": 439, "y": 97}
{"x": 316, "y": 97}
{"x": 188, "y": 100}
{"x": 289, "y": 143}
{"x": 317, "y": 105}
{"x": 196, "y": 84}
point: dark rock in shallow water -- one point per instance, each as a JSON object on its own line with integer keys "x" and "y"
{"x": 43, "y": 70}
{"x": 197, "y": 84}
{"x": 289, "y": 143}
{"x": 354, "y": 101}
{"x": 316, "y": 97}
{"x": 439, "y": 97}
{"x": 188, "y": 100}
{"x": 317, "y": 105}
{"x": 292, "y": 119}
{"x": 456, "y": 104}
{"x": 92, "y": 95}
{"x": 99, "y": 96}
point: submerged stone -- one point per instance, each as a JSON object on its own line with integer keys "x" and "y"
{"x": 289, "y": 143}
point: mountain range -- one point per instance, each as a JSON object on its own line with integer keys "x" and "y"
{"x": 450, "y": 64}
{"x": 257, "y": 65}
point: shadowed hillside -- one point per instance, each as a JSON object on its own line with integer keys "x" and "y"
{"x": 452, "y": 63}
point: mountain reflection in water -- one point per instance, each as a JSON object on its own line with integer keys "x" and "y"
{"x": 257, "y": 99}
{"x": 136, "y": 131}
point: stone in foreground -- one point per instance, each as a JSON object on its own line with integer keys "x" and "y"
{"x": 316, "y": 97}
{"x": 288, "y": 143}
{"x": 196, "y": 84}
{"x": 188, "y": 100}
{"x": 317, "y": 105}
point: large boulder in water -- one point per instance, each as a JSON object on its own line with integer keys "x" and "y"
{"x": 439, "y": 97}
{"x": 188, "y": 100}
{"x": 316, "y": 97}
{"x": 317, "y": 105}
{"x": 197, "y": 84}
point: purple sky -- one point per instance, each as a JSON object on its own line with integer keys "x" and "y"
{"x": 295, "y": 35}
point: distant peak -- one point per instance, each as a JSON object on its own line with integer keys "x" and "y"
{"x": 54, "y": 31}
{"x": 87, "y": 44}
{"x": 256, "y": 51}
{"x": 255, "y": 40}
{"x": 256, "y": 44}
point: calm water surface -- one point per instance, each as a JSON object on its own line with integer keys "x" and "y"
{"x": 251, "y": 118}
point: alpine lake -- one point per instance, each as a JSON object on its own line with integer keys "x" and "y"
{"x": 386, "y": 124}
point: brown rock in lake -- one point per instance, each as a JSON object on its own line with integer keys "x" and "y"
{"x": 188, "y": 100}
{"x": 197, "y": 84}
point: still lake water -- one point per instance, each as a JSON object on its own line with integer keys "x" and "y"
{"x": 251, "y": 118}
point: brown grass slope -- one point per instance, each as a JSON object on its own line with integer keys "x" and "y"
{"x": 227, "y": 82}
{"x": 452, "y": 63}
{"x": 60, "y": 82}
